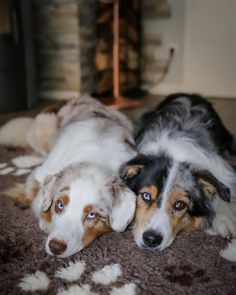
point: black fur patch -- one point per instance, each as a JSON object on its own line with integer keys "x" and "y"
{"x": 155, "y": 172}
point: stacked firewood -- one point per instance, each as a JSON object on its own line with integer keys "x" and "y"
{"x": 129, "y": 46}
{"x": 55, "y": 26}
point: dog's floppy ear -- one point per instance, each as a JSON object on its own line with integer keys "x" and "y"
{"x": 132, "y": 168}
{"x": 48, "y": 190}
{"x": 53, "y": 183}
{"x": 123, "y": 207}
{"x": 211, "y": 186}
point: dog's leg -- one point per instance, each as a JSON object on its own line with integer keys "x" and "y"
{"x": 224, "y": 222}
{"x": 42, "y": 132}
{"x": 24, "y": 194}
{"x": 14, "y": 133}
{"x": 229, "y": 252}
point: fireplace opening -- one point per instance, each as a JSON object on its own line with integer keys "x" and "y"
{"x": 5, "y": 22}
{"x": 17, "y": 81}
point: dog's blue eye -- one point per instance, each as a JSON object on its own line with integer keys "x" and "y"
{"x": 146, "y": 197}
{"x": 59, "y": 206}
{"x": 91, "y": 215}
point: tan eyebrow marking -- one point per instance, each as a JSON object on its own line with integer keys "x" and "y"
{"x": 65, "y": 188}
{"x": 88, "y": 208}
{"x": 65, "y": 199}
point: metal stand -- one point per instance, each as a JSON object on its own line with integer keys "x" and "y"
{"x": 119, "y": 101}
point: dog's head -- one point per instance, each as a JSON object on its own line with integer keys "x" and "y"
{"x": 80, "y": 203}
{"x": 171, "y": 197}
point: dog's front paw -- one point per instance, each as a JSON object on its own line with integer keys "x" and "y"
{"x": 211, "y": 232}
{"x": 224, "y": 226}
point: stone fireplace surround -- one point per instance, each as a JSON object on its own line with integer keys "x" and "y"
{"x": 71, "y": 56}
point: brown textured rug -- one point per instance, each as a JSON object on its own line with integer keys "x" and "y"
{"x": 192, "y": 265}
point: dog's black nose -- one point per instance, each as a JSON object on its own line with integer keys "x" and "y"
{"x": 57, "y": 247}
{"x": 152, "y": 239}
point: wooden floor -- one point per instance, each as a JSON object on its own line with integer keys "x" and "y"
{"x": 225, "y": 107}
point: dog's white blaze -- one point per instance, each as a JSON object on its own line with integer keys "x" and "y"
{"x": 160, "y": 221}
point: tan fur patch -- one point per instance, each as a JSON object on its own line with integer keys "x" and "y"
{"x": 209, "y": 190}
{"x": 102, "y": 226}
{"x": 45, "y": 147}
{"x": 35, "y": 188}
{"x": 144, "y": 212}
{"x": 55, "y": 107}
{"x": 88, "y": 208}
{"x": 65, "y": 199}
{"x": 197, "y": 223}
{"x": 96, "y": 227}
{"x": 47, "y": 216}
{"x": 181, "y": 220}
{"x": 24, "y": 197}
{"x": 130, "y": 171}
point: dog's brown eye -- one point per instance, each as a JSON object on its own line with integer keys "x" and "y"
{"x": 179, "y": 205}
{"x": 59, "y": 207}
